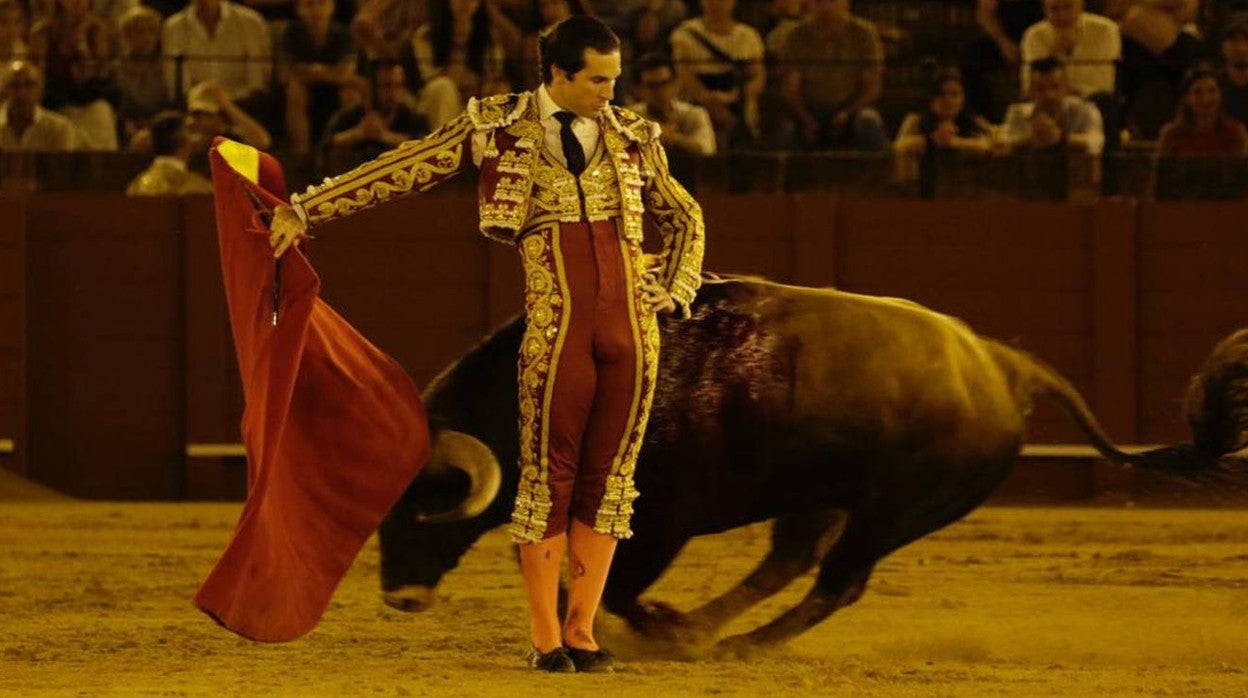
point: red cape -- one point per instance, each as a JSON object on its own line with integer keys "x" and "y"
{"x": 334, "y": 429}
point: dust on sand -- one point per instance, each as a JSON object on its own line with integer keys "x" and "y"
{"x": 95, "y": 600}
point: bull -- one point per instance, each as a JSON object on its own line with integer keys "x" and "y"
{"x": 858, "y": 424}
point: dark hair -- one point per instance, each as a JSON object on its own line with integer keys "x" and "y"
{"x": 965, "y": 119}
{"x": 1046, "y": 66}
{"x": 564, "y": 45}
{"x": 168, "y": 132}
{"x": 655, "y": 60}
{"x": 442, "y": 35}
{"x": 1201, "y": 71}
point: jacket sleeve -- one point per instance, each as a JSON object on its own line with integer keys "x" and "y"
{"x": 679, "y": 219}
{"x": 414, "y": 166}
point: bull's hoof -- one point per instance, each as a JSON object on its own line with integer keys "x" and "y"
{"x": 659, "y": 621}
{"x": 413, "y": 599}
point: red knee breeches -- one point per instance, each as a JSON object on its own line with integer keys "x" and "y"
{"x": 586, "y": 377}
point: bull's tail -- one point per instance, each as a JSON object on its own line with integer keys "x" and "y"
{"x": 1193, "y": 462}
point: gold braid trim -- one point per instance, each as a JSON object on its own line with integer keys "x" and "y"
{"x": 615, "y": 511}
{"x": 497, "y": 111}
{"x": 546, "y": 322}
{"x": 415, "y": 165}
{"x": 679, "y": 218}
{"x": 631, "y": 125}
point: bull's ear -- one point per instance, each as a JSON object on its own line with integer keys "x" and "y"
{"x": 459, "y": 451}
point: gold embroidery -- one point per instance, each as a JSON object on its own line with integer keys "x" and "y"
{"x": 545, "y": 327}
{"x": 497, "y": 111}
{"x": 413, "y": 166}
{"x": 679, "y": 218}
{"x": 505, "y": 204}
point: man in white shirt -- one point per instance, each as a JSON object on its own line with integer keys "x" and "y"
{"x": 24, "y": 125}
{"x": 1054, "y": 118}
{"x": 685, "y": 126}
{"x": 1087, "y": 44}
{"x": 221, "y": 42}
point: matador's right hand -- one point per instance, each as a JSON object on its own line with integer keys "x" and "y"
{"x": 285, "y": 230}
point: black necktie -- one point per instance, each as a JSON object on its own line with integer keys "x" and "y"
{"x": 572, "y": 150}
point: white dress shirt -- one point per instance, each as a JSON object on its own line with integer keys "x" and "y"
{"x": 1078, "y": 117}
{"x": 585, "y": 129}
{"x": 48, "y": 133}
{"x": 1089, "y": 62}
{"x": 237, "y": 56}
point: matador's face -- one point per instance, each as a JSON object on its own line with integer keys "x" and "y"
{"x": 588, "y": 90}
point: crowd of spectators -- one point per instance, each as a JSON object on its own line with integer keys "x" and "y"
{"x": 337, "y": 81}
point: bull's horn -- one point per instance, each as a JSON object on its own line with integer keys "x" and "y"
{"x": 453, "y": 449}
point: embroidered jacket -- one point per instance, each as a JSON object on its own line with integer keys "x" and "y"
{"x": 521, "y": 189}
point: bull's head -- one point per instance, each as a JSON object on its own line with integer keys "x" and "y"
{"x": 469, "y": 483}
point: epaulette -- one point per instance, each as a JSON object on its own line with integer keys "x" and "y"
{"x": 632, "y": 125}
{"x": 497, "y": 111}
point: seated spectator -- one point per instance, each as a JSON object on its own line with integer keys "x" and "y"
{"x": 368, "y": 131}
{"x": 719, "y": 62}
{"x": 686, "y": 127}
{"x": 1159, "y": 43}
{"x": 1001, "y": 24}
{"x": 317, "y": 57}
{"x": 168, "y": 175}
{"x": 220, "y": 42}
{"x": 211, "y": 112}
{"x": 74, "y": 47}
{"x": 461, "y": 52}
{"x": 1054, "y": 118}
{"x": 1087, "y": 44}
{"x": 24, "y": 125}
{"x": 13, "y": 32}
{"x": 1235, "y": 59}
{"x": 379, "y": 43}
{"x": 833, "y": 66}
{"x": 648, "y": 26}
{"x": 946, "y": 124}
{"x": 140, "y": 76}
{"x": 1202, "y": 126}
{"x": 547, "y": 13}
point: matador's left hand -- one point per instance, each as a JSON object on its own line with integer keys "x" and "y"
{"x": 655, "y": 297}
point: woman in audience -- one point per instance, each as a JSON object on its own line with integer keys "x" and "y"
{"x": 946, "y": 124}
{"x": 1202, "y": 126}
{"x": 140, "y": 77}
{"x": 461, "y": 52}
{"x": 74, "y": 48}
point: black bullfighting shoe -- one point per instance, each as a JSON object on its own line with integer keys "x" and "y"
{"x": 556, "y": 661}
{"x": 597, "y": 661}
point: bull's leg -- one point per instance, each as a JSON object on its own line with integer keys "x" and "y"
{"x": 798, "y": 541}
{"x": 842, "y": 579}
{"x": 638, "y": 563}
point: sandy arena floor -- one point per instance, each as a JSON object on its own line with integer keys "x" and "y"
{"x": 94, "y": 599}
